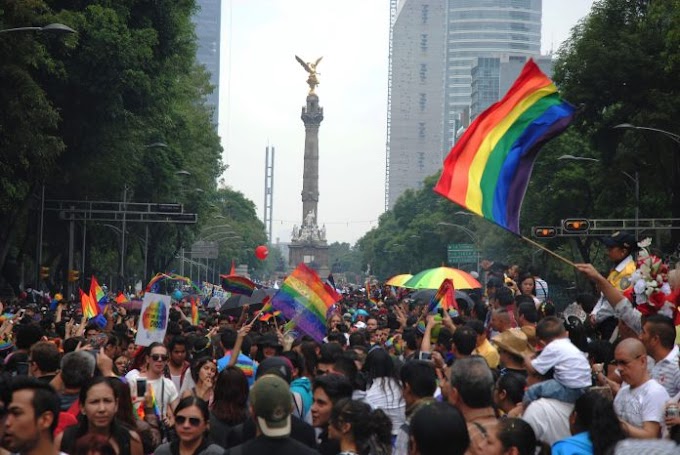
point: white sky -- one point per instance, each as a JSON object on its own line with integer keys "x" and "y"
{"x": 262, "y": 95}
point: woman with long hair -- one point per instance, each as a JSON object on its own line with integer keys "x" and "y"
{"x": 99, "y": 404}
{"x": 191, "y": 424}
{"x": 527, "y": 286}
{"x": 384, "y": 387}
{"x": 148, "y": 428}
{"x": 230, "y": 403}
{"x": 594, "y": 425}
{"x": 359, "y": 429}
{"x": 203, "y": 372}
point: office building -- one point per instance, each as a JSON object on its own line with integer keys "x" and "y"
{"x": 207, "y": 22}
{"x": 434, "y": 45}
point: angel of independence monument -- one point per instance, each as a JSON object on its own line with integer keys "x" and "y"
{"x": 308, "y": 241}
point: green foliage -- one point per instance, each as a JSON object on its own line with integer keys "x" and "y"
{"x": 343, "y": 258}
{"x": 78, "y": 113}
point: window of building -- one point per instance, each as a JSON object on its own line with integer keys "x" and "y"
{"x": 424, "y": 13}
{"x": 423, "y": 72}
{"x": 422, "y": 101}
{"x": 423, "y": 42}
{"x": 421, "y": 130}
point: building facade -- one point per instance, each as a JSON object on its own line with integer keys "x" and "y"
{"x": 207, "y": 21}
{"x": 417, "y": 93}
{"x": 434, "y": 46}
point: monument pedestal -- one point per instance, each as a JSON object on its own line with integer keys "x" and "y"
{"x": 312, "y": 254}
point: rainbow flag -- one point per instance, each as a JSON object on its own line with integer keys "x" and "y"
{"x": 488, "y": 169}
{"x": 194, "y": 311}
{"x": 267, "y": 307}
{"x": 267, "y": 316}
{"x": 121, "y": 298}
{"x": 156, "y": 408}
{"x": 90, "y": 308}
{"x": 444, "y": 298}
{"x": 97, "y": 292}
{"x": 304, "y": 298}
{"x": 237, "y": 284}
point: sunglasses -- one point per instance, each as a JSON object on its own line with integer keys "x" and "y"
{"x": 159, "y": 357}
{"x": 193, "y": 421}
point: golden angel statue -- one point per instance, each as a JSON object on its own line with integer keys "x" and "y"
{"x": 310, "y": 67}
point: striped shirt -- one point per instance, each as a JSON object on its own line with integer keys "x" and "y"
{"x": 667, "y": 373}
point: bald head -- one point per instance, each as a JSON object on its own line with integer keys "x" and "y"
{"x": 631, "y": 347}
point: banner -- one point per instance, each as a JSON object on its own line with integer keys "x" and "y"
{"x": 154, "y": 319}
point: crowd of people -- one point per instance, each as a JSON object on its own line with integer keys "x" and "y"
{"x": 501, "y": 373}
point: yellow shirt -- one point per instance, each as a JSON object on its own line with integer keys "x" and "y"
{"x": 489, "y": 352}
{"x": 619, "y": 277}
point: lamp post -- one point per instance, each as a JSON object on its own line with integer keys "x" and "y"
{"x": 672, "y": 136}
{"x": 635, "y": 178}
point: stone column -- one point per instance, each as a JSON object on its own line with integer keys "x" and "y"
{"x": 312, "y": 115}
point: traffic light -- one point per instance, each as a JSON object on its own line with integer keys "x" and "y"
{"x": 576, "y": 225}
{"x": 73, "y": 276}
{"x": 44, "y": 273}
{"x": 544, "y": 232}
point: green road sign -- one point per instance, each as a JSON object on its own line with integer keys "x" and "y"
{"x": 462, "y": 253}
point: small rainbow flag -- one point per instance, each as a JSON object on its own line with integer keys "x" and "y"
{"x": 121, "y": 298}
{"x": 267, "y": 307}
{"x": 97, "y": 292}
{"x": 304, "y": 298}
{"x": 267, "y": 316}
{"x": 488, "y": 169}
{"x": 444, "y": 298}
{"x": 194, "y": 311}
{"x": 90, "y": 308}
{"x": 237, "y": 284}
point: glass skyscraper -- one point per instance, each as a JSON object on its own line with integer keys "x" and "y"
{"x": 208, "y": 21}
{"x": 484, "y": 28}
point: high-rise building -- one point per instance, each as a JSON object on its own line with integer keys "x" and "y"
{"x": 207, "y": 21}
{"x": 416, "y": 88}
{"x": 434, "y": 45}
{"x": 484, "y": 28}
{"x": 493, "y": 76}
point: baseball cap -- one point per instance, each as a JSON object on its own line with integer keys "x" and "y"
{"x": 621, "y": 239}
{"x": 272, "y": 405}
{"x": 277, "y": 365}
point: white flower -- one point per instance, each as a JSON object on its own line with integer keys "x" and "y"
{"x": 666, "y": 310}
{"x": 636, "y": 276}
{"x": 644, "y": 243}
{"x": 666, "y": 288}
{"x": 639, "y": 286}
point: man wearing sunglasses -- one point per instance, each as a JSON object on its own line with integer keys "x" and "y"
{"x": 640, "y": 403}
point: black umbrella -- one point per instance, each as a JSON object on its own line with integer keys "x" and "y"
{"x": 425, "y": 296}
{"x": 236, "y": 301}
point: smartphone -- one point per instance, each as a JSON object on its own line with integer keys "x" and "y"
{"x": 424, "y": 355}
{"x": 141, "y": 387}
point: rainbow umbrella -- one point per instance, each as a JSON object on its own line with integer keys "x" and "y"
{"x": 399, "y": 280}
{"x": 432, "y": 279}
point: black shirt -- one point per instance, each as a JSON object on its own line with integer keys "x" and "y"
{"x": 299, "y": 430}
{"x": 263, "y": 445}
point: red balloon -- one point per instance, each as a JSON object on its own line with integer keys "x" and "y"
{"x": 261, "y": 252}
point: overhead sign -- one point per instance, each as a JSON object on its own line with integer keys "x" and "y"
{"x": 462, "y": 253}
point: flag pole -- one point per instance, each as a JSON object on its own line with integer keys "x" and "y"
{"x": 538, "y": 245}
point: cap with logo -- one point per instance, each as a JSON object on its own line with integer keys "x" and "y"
{"x": 272, "y": 405}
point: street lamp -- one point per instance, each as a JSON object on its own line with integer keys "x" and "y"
{"x": 674, "y": 137}
{"x": 50, "y": 28}
{"x": 633, "y": 178}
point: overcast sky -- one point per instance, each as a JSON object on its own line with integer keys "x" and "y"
{"x": 262, "y": 90}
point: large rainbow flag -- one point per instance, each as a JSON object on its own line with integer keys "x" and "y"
{"x": 303, "y": 298}
{"x": 488, "y": 169}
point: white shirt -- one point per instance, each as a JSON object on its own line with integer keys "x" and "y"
{"x": 549, "y": 418}
{"x": 168, "y": 390}
{"x": 667, "y": 373}
{"x": 644, "y": 403}
{"x": 572, "y": 369}
{"x": 385, "y": 394}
